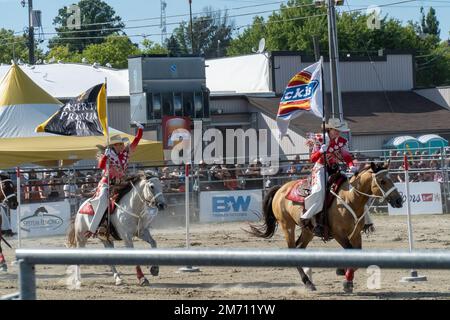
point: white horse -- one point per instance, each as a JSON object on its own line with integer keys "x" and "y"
{"x": 131, "y": 217}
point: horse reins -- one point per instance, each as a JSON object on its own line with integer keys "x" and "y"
{"x": 370, "y": 196}
{"x": 385, "y": 194}
{"x": 147, "y": 202}
{"x": 5, "y": 197}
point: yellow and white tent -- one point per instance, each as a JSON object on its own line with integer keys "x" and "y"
{"x": 23, "y": 106}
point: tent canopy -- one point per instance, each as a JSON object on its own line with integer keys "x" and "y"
{"x": 18, "y": 151}
{"x": 23, "y": 106}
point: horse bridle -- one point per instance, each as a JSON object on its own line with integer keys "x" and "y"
{"x": 5, "y": 197}
{"x": 385, "y": 194}
{"x": 150, "y": 202}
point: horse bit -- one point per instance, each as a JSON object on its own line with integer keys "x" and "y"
{"x": 6, "y": 198}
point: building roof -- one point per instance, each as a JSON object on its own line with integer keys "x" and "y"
{"x": 369, "y": 113}
{"x": 68, "y": 80}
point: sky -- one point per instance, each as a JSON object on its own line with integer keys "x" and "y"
{"x": 14, "y": 16}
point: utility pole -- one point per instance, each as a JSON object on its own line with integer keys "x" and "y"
{"x": 192, "y": 33}
{"x": 30, "y": 33}
{"x": 334, "y": 61}
{"x": 163, "y": 24}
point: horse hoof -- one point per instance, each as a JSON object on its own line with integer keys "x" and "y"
{"x": 118, "y": 281}
{"x": 348, "y": 286}
{"x": 143, "y": 282}
{"x": 311, "y": 287}
{"x": 340, "y": 272}
{"x": 154, "y": 271}
{"x": 3, "y": 267}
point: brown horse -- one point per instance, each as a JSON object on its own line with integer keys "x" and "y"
{"x": 7, "y": 198}
{"x": 345, "y": 215}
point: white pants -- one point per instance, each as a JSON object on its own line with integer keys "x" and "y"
{"x": 100, "y": 204}
{"x": 6, "y": 225}
{"x": 314, "y": 202}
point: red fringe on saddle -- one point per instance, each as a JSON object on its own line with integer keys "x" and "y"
{"x": 89, "y": 210}
{"x": 294, "y": 194}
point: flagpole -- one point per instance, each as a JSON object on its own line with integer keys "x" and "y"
{"x": 325, "y": 166}
{"x": 108, "y": 218}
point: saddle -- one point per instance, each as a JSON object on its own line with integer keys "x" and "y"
{"x": 117, "y": 192}
{"x": 300, "y": 190}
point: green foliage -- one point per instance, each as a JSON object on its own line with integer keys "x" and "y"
{"x": 15, "y": 47}
{"x": 211, "y": 35}
{"x": 95, "y": 12}
{"x": 115, "y": 50}
{"x": 62, "y": 53}
{"x": 249, "y": 39}
{"x": 150, "y": 47}
{"x": 295, "y": 24}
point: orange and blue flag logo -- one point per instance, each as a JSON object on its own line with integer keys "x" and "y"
{"x": 297, "y": 95}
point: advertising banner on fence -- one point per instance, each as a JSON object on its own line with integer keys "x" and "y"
{"x": 425, "y": 198}
{"x": 221, "y": 206}
{"x": 42, "y": 219}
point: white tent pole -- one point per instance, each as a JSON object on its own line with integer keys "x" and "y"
{"x": 19, "y": 201}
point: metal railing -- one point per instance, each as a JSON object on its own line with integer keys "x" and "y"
{"x": 28, "y": 258}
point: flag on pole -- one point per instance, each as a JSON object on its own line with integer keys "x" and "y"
{"x": 302, "y": 94}
{"x": 83, "y": 116}
{"x": 405, "y": 162}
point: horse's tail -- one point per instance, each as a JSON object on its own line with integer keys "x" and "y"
{"x": 268, "y": 228}
{"x": 71, "y": 237}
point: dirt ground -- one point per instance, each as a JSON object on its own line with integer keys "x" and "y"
{"x": 430, "y": 232}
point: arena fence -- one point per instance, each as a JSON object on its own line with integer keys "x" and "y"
{"x": 28, "y": 258}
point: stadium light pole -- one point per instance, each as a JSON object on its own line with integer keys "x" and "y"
{"x": 192, "y": 33}
{"x": 31, "y": 58}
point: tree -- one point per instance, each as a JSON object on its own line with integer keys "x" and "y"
{"x": 15, "y": 47}
{"x": 150, "y": 47}
{"x": 98, "y": 20}
{"x": 115, "y": 50}
{"x": 249, "y": 39}
{"x": 211, "y": 34}
{"x": 174, "y": 47}
{"x": 62, "y": 53}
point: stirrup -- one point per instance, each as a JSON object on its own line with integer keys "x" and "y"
{"x": 319, "y": 231}
{"x": 102, "y": 233}
{"x": 369, "y": 228}
{"x": 89, "y": 234}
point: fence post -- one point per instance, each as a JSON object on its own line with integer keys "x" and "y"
{"x": 27, "y": 281}
{"x": 445, "y": 186}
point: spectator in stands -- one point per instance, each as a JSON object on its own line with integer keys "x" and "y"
{"x": 228, "y": 177}
{"x": 202, "y": 176}
{"x": 88, "y": 187}
{"x": 71, "y": 192}
{"x": 254, "y": 169}
{"x": 34, "y": 190}
{"x": 51, "y": 188}
{"x": 436, "y": 172}
{"x": 240, "y": 175}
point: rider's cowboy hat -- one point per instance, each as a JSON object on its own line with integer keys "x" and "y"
{"x": 117, "y": 138}
{"x": 337, "y": 124}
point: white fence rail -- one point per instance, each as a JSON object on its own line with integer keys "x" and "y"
{"x": 28, "y": 258}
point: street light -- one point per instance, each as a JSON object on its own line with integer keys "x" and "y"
{"x": 192, "y": 33}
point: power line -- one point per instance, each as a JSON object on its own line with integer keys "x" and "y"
{"x": 235, "y": 28}
{"x": 171, "y": 23}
